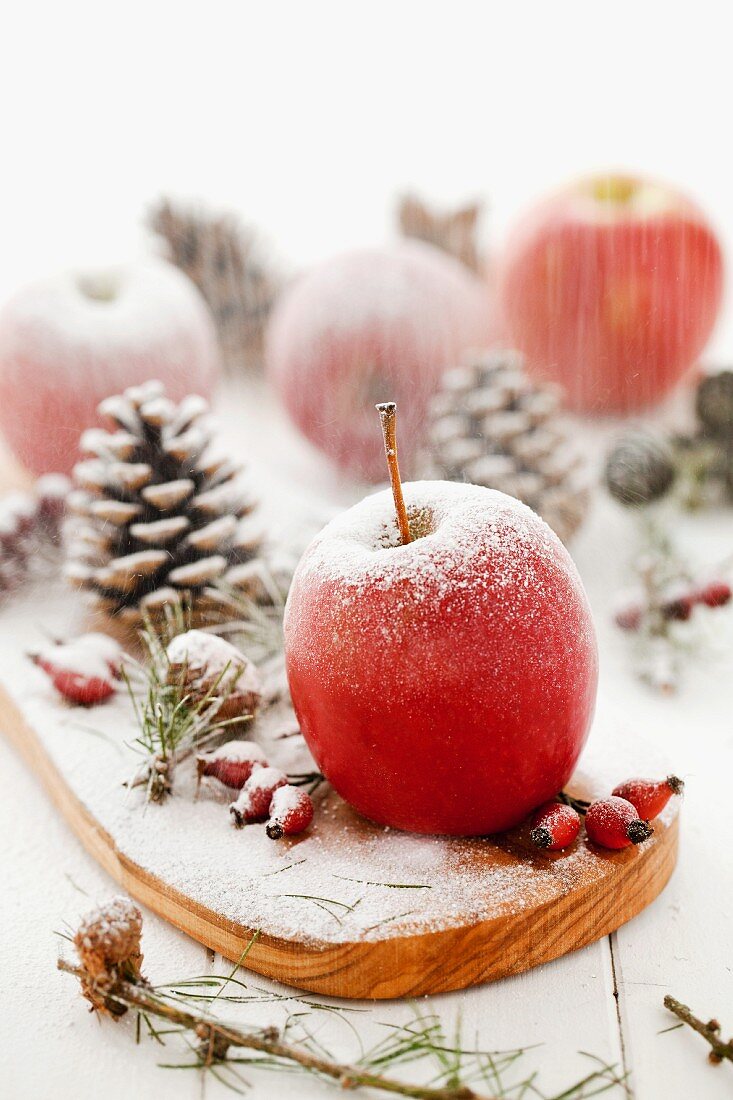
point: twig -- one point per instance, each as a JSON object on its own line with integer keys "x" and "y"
{"x": 710, "y": 1031}
{"x": 216, "y": 1038}
{"x": 108, "y": 945}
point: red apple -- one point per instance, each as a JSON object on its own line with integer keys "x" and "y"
{"x": 612, "y": 287}
{"x": 366, "y": 325}
{"x": 70, "y": 341}
{"x": 447, "y": 685}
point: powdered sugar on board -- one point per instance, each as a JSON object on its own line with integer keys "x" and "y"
{"x": 344, "y": 880}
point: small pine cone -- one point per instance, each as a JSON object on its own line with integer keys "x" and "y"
{"x": 640, "y": 469}
{"x": 493, "y": 426}
{"x": 108, "y": 944}
{"x": 714, "y": 404}
{"x": 159, "y": 523}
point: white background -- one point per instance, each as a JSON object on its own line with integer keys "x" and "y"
{"x": 308, "y": 118}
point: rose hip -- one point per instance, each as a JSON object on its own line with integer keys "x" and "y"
{"x": 255, "y": 797}
{"x": 614, "y": 823}
{"x": 679, "y": 607}
{"x": 715, "y": 594}
{"x": 629, "y": 618}
{"x": 555, "y": 825}
{"x": 291, "y": 812}
{"x": 77, "y": 687}
{"x": 232, "y": 764}
{"x": 649, "y": 796}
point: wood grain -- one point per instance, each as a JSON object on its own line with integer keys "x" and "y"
{"x": 620, "y": 886}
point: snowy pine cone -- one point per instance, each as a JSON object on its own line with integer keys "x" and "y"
{"x": 225, "y": 262}
{"x": 30, "y": 530}
{"x": 491, "y": 425}
{"x": 158, "y": 523}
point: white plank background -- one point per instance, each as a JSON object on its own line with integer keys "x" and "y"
{"x": 307, "y": 119}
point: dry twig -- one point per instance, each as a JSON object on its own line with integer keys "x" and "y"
{"x": 710, "y": 1031}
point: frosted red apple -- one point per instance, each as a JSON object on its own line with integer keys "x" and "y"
{"x": 612, "y": 287}
{"x": 447, "y": 685}
{"x": 70, "y": 341}
{"x": 369, "y": 325}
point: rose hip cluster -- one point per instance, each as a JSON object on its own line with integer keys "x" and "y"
{"x": 264, "y": 792}
{"x": 677, "y": 606}
{"x": 615, "y": 822}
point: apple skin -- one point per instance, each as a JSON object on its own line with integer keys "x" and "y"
{"x": 373, "y": 325}
{"x": 63, "y": 349}
{"x": 446, "y": 686}
{"x": 612, "y": 288}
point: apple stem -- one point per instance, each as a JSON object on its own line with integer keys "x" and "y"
{"x": 388, "y": 415}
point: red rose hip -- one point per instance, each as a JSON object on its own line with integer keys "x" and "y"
{"x": 649, "y": 796}
{"x": 291, "y": 812}
{"x": 255, "y": 797}
{"x": 715, "y": 594}
{"x": 83, "y": 670}
{"x": 629, "y": 617}
{"x": 77, "y": 687}
{"x": 232, "y": 764}
{"x": 614, "y": 823}
{"x": 554, "y": 826}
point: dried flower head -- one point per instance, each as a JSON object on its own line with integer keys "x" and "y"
{"x": 108, "y": 944}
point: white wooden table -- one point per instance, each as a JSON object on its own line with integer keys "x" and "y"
{"x": 605, "y": 1000}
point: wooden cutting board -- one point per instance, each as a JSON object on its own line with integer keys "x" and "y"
{"x": 349, "y": 910}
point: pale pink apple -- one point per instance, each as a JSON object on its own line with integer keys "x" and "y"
{"x": 612, "y": 288}
{"x": 367, "y": 326}
{"x": 68, "y": 342}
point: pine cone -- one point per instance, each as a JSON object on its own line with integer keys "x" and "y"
{"x": 221, "y": 257}
{"x": 639, "y": 469}
{"x": 159, "y": 523}
{"x": 454, "y": 231}
{"x": 492, "y": 426}
{"x": 30, "y": 530}
{"x": 714, "y": 405}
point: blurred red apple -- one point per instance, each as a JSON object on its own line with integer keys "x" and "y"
{"x": 70, "y": 341}
{"x": 446, "y": 685}
{"x": 612, "y": 288}
{"x": 369, "y": 325}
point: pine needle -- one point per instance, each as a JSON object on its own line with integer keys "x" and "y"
{"x": 172, "y": 722}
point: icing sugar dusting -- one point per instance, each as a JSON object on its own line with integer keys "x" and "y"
{"x": 211, "y": 657}
{"x": 361, "y": 547}
{"x": 345, "y": 879}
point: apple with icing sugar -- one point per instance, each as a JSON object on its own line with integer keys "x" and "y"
{"x": 69, "y": 341}
{"x": 366, "y": 320}
{"x": 444, "y": 684}
{"x": 612, "y": 288}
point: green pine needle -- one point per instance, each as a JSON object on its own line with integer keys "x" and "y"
{"x": 172, "y": 722}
